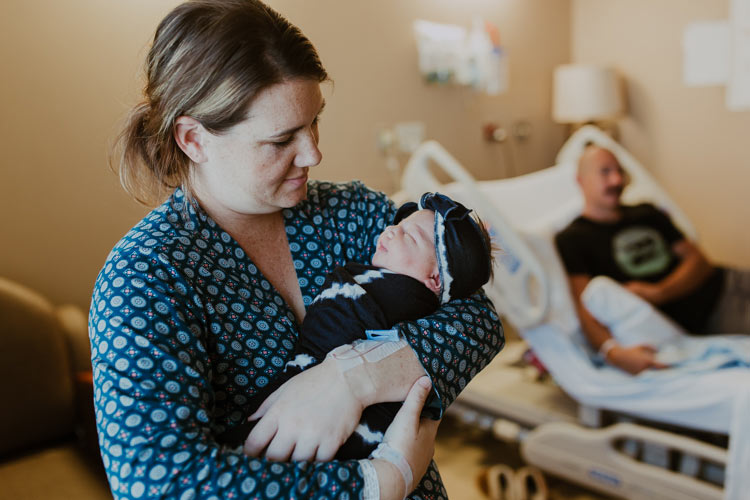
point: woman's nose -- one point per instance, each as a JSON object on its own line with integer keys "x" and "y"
{"x": 309, "y": 154}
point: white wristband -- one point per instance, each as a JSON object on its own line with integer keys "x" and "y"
{"x": 370, "y": 475}
{"x": 607, "y": 346}
{"x": 389, "y": 454}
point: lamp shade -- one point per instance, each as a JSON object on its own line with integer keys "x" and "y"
{"x": 584, "y": 93}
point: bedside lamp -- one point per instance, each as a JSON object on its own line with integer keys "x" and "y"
{"x": 586, "y": 94}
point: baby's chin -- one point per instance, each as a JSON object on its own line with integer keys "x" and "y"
{"x": 377, "y": 260}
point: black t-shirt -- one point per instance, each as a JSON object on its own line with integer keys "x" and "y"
{"x": 637, "y": 247}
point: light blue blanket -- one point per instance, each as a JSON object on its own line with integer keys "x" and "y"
{"x": 700, "y": 354}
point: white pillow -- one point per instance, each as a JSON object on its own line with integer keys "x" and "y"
{"x": 630, "y": 319}
{"x": 561, "y": 311}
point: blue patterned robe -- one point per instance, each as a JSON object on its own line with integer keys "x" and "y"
{"x": 185, "y": 330}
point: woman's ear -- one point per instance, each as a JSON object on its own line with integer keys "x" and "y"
{"x": 190, "y": 136}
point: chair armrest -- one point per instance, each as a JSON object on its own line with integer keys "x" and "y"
{"x": 85, "y": 418}
{"x": 75, "y": 326}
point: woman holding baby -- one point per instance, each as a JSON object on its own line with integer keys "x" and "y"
{"x": 197, "y": 307}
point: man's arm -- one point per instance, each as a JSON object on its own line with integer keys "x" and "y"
{"x": 690, "y": 274}
{"x": 633, "y": 359}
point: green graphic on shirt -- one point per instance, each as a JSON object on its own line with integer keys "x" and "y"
{"x": 640, "y": 251}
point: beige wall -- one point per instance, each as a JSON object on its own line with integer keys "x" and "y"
{"x": 695, "y": 147}
{"x": 71, "y": 70}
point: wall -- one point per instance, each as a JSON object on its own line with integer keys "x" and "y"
{"x": 71, "y": 70}
{"x": 685, "y": 136}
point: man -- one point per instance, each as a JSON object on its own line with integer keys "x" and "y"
{"x": 640, "y": 247}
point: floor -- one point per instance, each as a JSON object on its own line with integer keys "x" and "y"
{"x": 462, "y": 452}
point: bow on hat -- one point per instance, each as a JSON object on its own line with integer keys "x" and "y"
{"x": 463, "y": 256}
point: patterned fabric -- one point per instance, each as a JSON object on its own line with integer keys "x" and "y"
{"x": 185, "y": 330}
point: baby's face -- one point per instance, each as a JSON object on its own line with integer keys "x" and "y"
{"x": 409, "y": 248}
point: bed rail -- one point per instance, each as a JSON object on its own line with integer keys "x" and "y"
{"x": 516, "y": 267}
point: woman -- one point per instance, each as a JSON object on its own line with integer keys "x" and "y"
{"x": 198, "y": 306}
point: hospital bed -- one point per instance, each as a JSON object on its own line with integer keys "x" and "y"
{"x": 660, "y": 435}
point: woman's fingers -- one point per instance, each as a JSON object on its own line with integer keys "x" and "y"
{"x": 281, "y": 448}
{"x": 260, "y": 437}
{"x": 406, "y": 422}
{"x": 429, "y": 426}
{"x": 326, "y": 451}
{"x": 412, "y": 436}
{"x": 305, "y": 451}
{"x": 267, "y": 403}
{"x": 414, "y": 402}
{"x": 316, "y": 409}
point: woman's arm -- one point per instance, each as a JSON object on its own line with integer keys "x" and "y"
{"x": 454, "y": 344}
{"x": 451, "y": 346}
{"x": 155, "y": 400}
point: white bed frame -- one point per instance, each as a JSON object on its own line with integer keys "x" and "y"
{"x": 626, "y": 459}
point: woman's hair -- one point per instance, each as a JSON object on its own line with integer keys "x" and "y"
{"x": 209, "y": 60}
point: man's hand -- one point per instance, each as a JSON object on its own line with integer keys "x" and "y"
{"x": 308, "y": 418}
{"x": 650, "y": 292}
{"x": 634, "y": 359}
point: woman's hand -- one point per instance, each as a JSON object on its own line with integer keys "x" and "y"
{"x": 413, "y": 437}
{"x": 308, "y": 418}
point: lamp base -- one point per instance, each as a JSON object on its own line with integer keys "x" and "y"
{"x": 609, "y": 127}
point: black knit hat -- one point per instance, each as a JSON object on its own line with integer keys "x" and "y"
{"x": 463, "y": 256}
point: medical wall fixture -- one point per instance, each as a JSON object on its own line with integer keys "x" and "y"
{"x": 452, "y": 55}
{"x": 586, "y": 94}
{"x": 394, "y": 142}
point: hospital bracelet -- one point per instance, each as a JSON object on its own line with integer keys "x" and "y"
{"x": 607, "y": 346}
{"x": 386, "y": 452}
{"x": 372, "y": 487}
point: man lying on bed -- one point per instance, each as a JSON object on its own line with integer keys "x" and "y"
{"x": 640, "y": 247}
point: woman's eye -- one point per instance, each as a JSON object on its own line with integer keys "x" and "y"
{"x": 283, "y": 143}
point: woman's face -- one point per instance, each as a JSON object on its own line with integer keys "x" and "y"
{"x": 260, "y": 165}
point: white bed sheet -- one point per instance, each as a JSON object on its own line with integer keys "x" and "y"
{"x": 715, "y": 401}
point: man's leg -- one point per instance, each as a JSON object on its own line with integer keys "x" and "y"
{"x": 732, "y": 311}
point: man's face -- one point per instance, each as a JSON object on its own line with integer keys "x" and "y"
{"x": 601, "y": 178}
